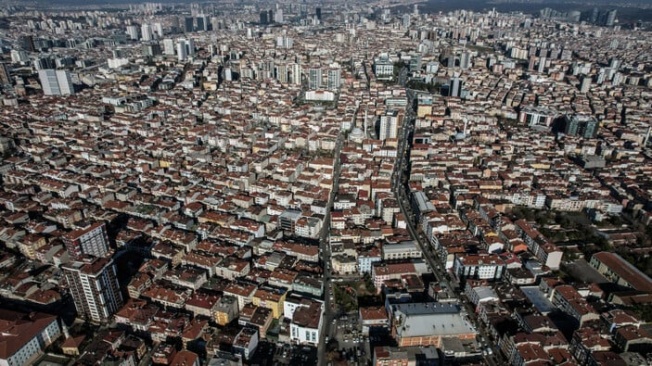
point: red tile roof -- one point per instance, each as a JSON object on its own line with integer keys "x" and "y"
{"x": 17, "y": 329}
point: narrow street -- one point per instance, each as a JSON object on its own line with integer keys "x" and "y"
{"x": 436, "y": 265}
{"x": 327, "y": 324}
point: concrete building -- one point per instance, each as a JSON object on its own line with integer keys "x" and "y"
{"x": 373, "y": 317}
{"x": 381, "y": 272}
{"x": 168, "y": 47}
{"x": 455, "y": 87}
{"x": 367, "y": 259}
{"x": 383, "y": 68}
{"x": 426, "y": 324}
{"x": 271, "y": 298}
{"x": 405, "y": 356}
{"x": 536, "y": 116}
{"x": 621, "y": 272}
{"x": 481, "y": 294}
{"x": 132, "y": 32}
{"x": 185, "y": 49}
{"x": 294, "y": 73}
{"x": 388, "y": 125}
{"x": 93, "y": 283}
{"x": 147, "y": 34}
{"x": 90, "y": 240}
{"x": 403, "y": 250}
{"x": 631, "y": 338}
{"x": 581, "y": 125}
{"x": 56, "y": 82}
{"x": 569, "y": 300}
{"x": 246, "y": 342}
{"x": 226, "y": 310}
{"x": 24, "y": 336}
{"x": 344, "y": 264}
{"x": 306, "y": 322}
{"x": 288, "y": 220}
{"x": 585, "y": 84}
{"x": 314, "y": 78}
{"x": 158, "y": 30}
{"x": 334, "y": 78}
{"x": 481, "y": 266}
{"x": 465, "y": 60}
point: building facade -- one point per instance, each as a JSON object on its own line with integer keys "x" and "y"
{"x": 93, "y": 283}
{"x": 25, "y": 336}
{"x": 56, "y": 82}
{"x": 90, "y": 240}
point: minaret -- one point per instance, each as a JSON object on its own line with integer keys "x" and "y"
{"x": 66, "y": 332}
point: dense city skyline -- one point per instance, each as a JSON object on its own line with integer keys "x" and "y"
{"x": 326, "y": 183}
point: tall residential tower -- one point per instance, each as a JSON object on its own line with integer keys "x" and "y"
{"x": 93, "y": 283}
{"x": 56, "y": 82}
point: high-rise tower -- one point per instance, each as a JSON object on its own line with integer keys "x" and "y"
{"x": 93, "y": 284}
{"x": 90, "y": 240}
{"x": 56, "y": 82}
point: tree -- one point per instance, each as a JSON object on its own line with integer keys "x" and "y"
{"x": 369, "y": 283}
{"x": 422, "y": 85}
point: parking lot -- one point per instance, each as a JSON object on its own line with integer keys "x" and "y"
{"x": 352, "y": 345}
{"x": 348, "y": 330}
{"x": 268, "y": 353}
{"x": 582, "y": 271}
{"x": 304, "y": 355}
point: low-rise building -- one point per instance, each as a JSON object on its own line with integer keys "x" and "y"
{"x": 373, "y": 317}
{"x": 426, "y": 324}
{"x": 344, "y": 264}
{"x": 381, "y": 272}
{"x": 479, "y": 266}
{"x": 568, "y": 300}
{"x": 270, "y": 298}
{"x": 367, "y": 258}
{"x": 226, "y": 310}
{"x": 136, "y": 314}
{"x": 405, "y": 356}
{"x": 185, "y": 358}
{"x": 311, "y": 286}
{"x": 243, "y": 292}
{"x": 246, "y": 342}
{"x": 202, "y": 303}
{"x": 306, "y": 322}
{"x": 631, "y": 338}
{"x": 403, "y": 250}
{"x": 232, "y": 268}
{"x": 621, "y": 272}
{"x": 25, "y": 336}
